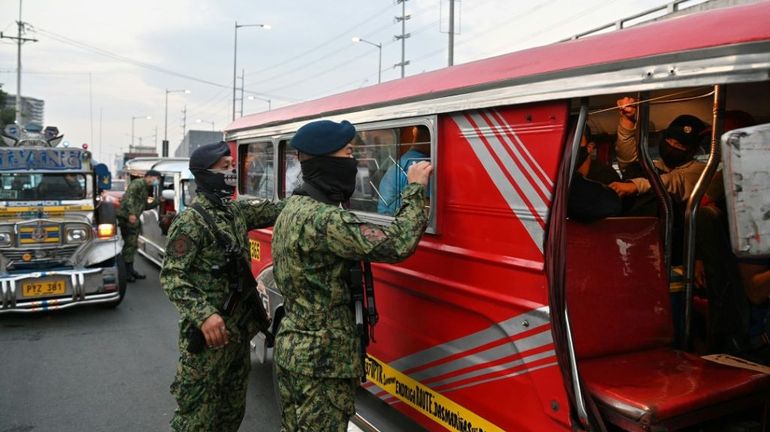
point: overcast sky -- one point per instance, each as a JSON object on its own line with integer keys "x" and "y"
{"x": 97, "y": 64}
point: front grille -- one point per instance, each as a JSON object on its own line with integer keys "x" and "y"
{"x": 41, "y": 233}
{"x": 38, "y": 258}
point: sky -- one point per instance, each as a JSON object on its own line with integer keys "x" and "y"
{"x": 102, "y": 66}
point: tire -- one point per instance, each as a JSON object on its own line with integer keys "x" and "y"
{"x": 121, "y": 282}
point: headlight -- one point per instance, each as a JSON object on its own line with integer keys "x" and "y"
{"x": 76, "y": 235}
{"x": 6, "y": 239}
{"x": 105, "y": 230}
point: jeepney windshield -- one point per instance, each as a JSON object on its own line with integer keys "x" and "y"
{"x": 42, "y": 186}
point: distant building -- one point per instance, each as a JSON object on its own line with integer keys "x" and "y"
{"x": 32, "y": 110}
{"x": 196, "y": 138}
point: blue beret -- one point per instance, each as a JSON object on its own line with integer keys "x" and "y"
{"x": 323, "y": 137}
{"x": 206, "y": 155}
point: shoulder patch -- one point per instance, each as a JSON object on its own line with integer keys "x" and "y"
{"x": 374, "y": 235}
{"x": 180, "y": 246}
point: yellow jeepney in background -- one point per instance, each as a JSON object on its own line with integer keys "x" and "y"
{"x": 59, "y": 246}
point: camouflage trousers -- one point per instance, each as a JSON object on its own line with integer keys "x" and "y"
{"x": 210, "y": 388}
{"x": 315, "y": 404}
{"x": 130, "y": 235}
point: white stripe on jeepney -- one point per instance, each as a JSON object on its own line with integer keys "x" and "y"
{"x": 521, "y": 203}
{"x": 503, "y": 329}
{"x": 514, "y": 163}
{"x": 499, "y": 352}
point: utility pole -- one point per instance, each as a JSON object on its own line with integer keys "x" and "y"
{"x": 184, "y": 121}
{"x": 451, "y": 32}
{"x": 403, "y": 35}
{"x": 243, "y": 75}
{"x": 19, "y": 40}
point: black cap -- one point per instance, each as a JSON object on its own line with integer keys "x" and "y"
{"x": 322, "y": 137}
{"x": 206, "y": 155}
{"x": 153, "y": 173}
{"x": 686, "y": 129}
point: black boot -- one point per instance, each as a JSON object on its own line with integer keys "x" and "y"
{"x": 130, "y": 272}
{"x": 136, "y": 274}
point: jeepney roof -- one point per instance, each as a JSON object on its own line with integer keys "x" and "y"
{"x": 173, "y": 165}
{"x": 526, "y": 72}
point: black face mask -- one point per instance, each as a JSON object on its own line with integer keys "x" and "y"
{"x": 334, "y": 176}
{"x": 672, "y": 156}
{"x": 218, "y": 182}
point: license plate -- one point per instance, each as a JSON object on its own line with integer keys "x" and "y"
{"x": 43, "y": 288}
{"x": 254, "y": 250}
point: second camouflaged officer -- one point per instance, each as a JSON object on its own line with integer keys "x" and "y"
{"x": 315, "y": 242}
{"x": 133, "y": 203}
{"x": 197, "y": 275}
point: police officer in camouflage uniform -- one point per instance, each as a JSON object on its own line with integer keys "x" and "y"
{"x": 133, "y": 203}
{"x": 315, "y": 242}
{"x": 210, "y": 387}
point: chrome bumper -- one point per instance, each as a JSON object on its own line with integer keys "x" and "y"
{"x": 84, "y": 286}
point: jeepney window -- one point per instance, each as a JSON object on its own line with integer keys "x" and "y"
{"x": 292, "y": 177}
{"x": 384, "y": 155}
{"x": 42, "y": 186}
{"x": 188, "y": 192}
{"x": 256, "y": 170}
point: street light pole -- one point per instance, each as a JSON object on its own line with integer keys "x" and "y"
{"x": 379, "y": 64}
{"x": 235, "y": 55}
{"x": 269, "y": 102}
{"x": 206, "y": 121}
{"x": 164, "y": 146}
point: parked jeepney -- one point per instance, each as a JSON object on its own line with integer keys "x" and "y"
{"x": 176, "y": 191}
{"x": 59, "y": 245}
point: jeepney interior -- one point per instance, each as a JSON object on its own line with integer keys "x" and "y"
{"x": 42, "y": 186}
{"x": 639, "y": 347}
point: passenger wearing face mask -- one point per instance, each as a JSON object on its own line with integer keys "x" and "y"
{"x": 203, "y": 242}
{"x": 316, "y": 240}
{"x": 679, "y": 171}
{"x": 133, "y": 203}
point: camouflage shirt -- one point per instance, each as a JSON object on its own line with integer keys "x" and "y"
{"x": 189, "y": 275}
{"x": 134, "y": 201}
{"x": 314, "y": 245}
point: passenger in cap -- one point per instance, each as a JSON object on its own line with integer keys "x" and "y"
{"x": 316, "y": 245}
{"x": 207, "y": 253}
{"x": 679, "y": 172}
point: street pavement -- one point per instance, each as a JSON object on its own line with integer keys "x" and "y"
{"x": 97, "y": 369}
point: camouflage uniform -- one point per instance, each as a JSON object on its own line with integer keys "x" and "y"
{"x": 210, "y": 387}
{"x": 134, "y": 202}
{"x": 317, "y": 350}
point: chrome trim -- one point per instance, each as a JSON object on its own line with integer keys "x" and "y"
{"x": 77, "y": 278}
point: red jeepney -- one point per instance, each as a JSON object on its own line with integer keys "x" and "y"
{"x": 510, "y": 316}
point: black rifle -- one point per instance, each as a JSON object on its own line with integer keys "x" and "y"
{"x": 243, "y": 289}
{"x": 362, "y": 296}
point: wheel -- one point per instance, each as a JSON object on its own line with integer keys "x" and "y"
{"x": 121, "y": 281}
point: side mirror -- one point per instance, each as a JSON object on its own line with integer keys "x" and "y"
{"x": 168, "y": 194}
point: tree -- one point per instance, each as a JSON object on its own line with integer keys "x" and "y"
{"x": 7, "y": 115}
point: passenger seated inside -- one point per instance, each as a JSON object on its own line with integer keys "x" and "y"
{"x": 415, "y": 144}
{"x": 590, "y": 198}
{"x": 679, "y": 170}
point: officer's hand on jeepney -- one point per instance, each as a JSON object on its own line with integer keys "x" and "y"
{"x": 132, "y": 219}
{"x": 419, "y": 172}
{"x": 215, "y": 332}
